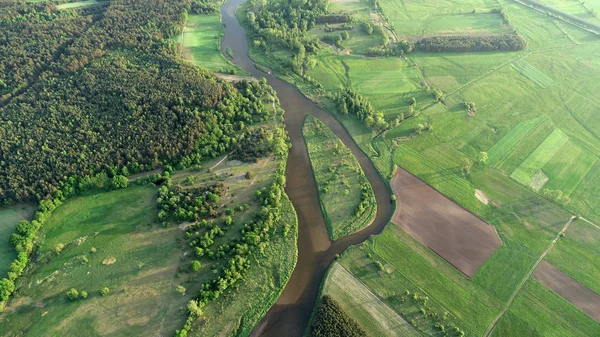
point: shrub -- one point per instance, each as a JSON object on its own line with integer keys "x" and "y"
{"x": 105, "y": 291}
{"x": 73, "y": 294}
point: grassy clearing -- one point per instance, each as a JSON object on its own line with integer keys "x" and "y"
{"x": 580, "y": 244}
{"x": 538, "y": 158}
{"x": 371, "y": 313}
{"x": 80, "y": 4}
{"x": 138, "y": 263}
{"x": 533, "y": 73}
{"x": 345, "y": 195}
{"x": 201, "y": 40}
{"x": 9, "y": 219}
{"x": 537, "y": 311}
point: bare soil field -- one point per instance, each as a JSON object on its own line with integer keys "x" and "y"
{"x": 457, "y": 235}
{"x": 569, "y": 289}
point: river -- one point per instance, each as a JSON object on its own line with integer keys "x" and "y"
{"x": 289, "y": 316}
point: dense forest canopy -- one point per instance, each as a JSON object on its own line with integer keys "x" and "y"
{"x": 95, "y": 89}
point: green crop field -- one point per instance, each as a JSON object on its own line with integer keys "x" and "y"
{"x": 9, "y": 218}
{"x": 345, "y": 195}
{"x": 539, "y": 157}
{"x": 135, "y": 261}
{"x": 503, "y": 147}
{"x": 568, "y": 168}
{"x": 533, "y": 74}
{"x": 430, "y": 17}
{"x": 370, "y": 312}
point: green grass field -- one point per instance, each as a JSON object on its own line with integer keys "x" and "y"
{"x": 137, "y": 262}
{"x": 342, "y": 185}
{"x": 9, "y": 219}
{"x": 539, "y": 157}
{"x": 200, "y": 41}
{"x": 430, "y": 17}
{"x": 504, "y": 146}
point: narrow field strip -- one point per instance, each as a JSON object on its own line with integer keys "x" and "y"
{"x": 539, "y": 157}
{"x": 376, "y": 317}
{"x": 504, "y": 146}
{"x": 533, "y": 73}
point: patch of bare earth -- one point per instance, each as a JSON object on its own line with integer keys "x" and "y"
{"x": 482, "y": 197}
{"x": 455, "y": 234}
{"x": 108, "y": 261}
{"x": 568, "y": 288}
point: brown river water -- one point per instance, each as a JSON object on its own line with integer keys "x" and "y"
{"x": 289, "y": 316}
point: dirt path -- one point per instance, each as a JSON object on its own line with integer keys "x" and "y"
{"x": 588, "y": 221}
{"x": 220, "y": 161}
{"x": 537, "y": 263}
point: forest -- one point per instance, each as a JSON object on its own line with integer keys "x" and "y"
{"x": 107, "y": 92}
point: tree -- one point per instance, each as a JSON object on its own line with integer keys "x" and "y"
{"x": 466, "y": 167}
{"x": 483, "y": 157}
{"x": 195, "y": 265}
{"x": 118, "y": 182}
{"x": 7, "y": 287}
{"x": 368, "y": 28}
{"x": 73, "y": 294}
{"x": 83, "y": 294}
{"x": 105, "y": 291}
{"x": 345, "y": 35}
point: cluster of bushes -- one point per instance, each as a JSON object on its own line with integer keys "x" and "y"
{"x": 202, "y": 7}
{"x": 439, "y": 320}
{"x": 333, "y": 18}
{"x": 191, "y": 204}
{"x": 351, "y": 102}
{"x": 366, "y": 196}
{"x": 336, "y": 39}
{"x": 343, "y": 26}
{"x": 471, "y": 43}
{"x": 556, "y": 195}
{"x": 255, "y": 143}
{"x": 330, "y": 320}
{"x": 400, "y": 48}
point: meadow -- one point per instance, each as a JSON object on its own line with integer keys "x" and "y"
{"x": 370, "y": 312}
{"x": 9, "y": 219}
{"x": 345, "y": 195}
{"x": 201, "y": 40}
{"x": 107, "y": 240}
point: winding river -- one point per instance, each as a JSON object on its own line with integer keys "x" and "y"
{"x": 289, "y": 316}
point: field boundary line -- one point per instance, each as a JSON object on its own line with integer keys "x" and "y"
{"x": 588, "y": 221}
{"x": 537, "y": 263}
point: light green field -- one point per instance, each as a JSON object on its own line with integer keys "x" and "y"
{"x": 371, "y": 313}
{"x": 568, "y": 168}
{"x": 537, "y": 311}
{"x": 503, "y": 147}
{"x": 533, "y": 73}
{"x": 342, "y": 184}
{"x": 141, "y": 278}
{"x": 81, "y": 4}
{"x": 201, "y": 42}
{"x": 539, "y": 157}
{"x": 9, "y": 219}
{"x": 430, "y": 17}
{"x": 581, "y": 9}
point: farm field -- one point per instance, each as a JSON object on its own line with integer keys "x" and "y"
{"x": 569, "y": 289}
{"x": 461, "y": 238}
{"x": 370, "y": 312}
{"x": 9, "y": 219}
{"x": 424, "y": 18}
{"x": 345, "y": 194}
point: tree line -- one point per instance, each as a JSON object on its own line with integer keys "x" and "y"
{"x": 463, "y": 44}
